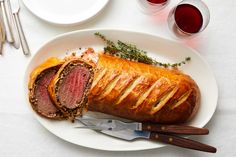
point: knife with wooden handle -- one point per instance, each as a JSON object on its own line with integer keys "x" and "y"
{"x": 181, "y": 142}
{"x": 130, "y": 135}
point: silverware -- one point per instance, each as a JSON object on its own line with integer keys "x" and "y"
{"x": 12, "y": 25}
{"x": 117, "y": 125}
{"x": 130, "y": 135}
{"x": 2, "y": 34}
{"x": 9, "y": 36}
{"x": 2, "y": 40}
{"x": 15, "y": 12}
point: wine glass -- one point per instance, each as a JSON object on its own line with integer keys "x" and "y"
{"x": 152, "y": 6}
{"x": 188, "y": 18}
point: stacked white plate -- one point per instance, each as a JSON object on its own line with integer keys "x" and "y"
{"x": 65, "y": 12}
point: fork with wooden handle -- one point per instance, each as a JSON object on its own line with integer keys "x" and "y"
{"x": 116, "y": 125}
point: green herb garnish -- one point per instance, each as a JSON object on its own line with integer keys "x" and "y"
{"x": 131, "y": 52}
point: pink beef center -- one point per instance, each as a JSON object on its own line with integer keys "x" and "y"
{"x": 45, "y": 105}
{"x": 72, "y": 88}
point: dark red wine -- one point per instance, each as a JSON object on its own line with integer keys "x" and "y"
{"x": 157, "y": 1}
{"x": 188, "y": 18}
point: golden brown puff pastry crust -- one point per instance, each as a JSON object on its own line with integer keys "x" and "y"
{"x": 142, "y": 92}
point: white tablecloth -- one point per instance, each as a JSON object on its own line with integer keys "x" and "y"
{"x": 22, "y": 135}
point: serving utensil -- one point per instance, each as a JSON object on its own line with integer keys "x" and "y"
{"x": 117, "y": 125}
{"x": 132, "y": 133}
{"x": 15, "y": 12}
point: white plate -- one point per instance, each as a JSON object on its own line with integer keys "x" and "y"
{"x": 65, "y": 12}
{"x": 162, "y": 49}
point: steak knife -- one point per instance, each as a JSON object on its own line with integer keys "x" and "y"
{"x": 117, "y": 125}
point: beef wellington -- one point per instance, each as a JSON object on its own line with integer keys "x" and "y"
{"x": 70, "y": 86}
{"x": 39, "y": 96}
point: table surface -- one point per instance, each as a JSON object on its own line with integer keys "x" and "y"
{"x": 22, "y": 135}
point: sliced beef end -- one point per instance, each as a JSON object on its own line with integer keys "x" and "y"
{"x": 43, "y": 104}
{"x": 72, "y": 88}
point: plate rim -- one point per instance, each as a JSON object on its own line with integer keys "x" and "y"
{"x": 66, "y": 23}
{"x": 121, "y": 30}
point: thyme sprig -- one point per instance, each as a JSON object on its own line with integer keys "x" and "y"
{"x": 131, "y": 52}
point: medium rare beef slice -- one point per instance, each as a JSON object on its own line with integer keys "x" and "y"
{"x": 40, "y": 100}
{"x": 69, "y": 88}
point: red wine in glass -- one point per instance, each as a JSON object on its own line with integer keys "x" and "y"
{"x": 152, "y": 6}
{"x": 188, "y": 18}
{"x": 157, "y": 1}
